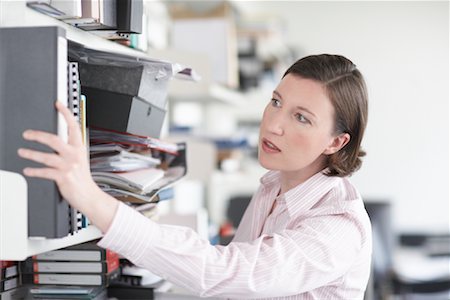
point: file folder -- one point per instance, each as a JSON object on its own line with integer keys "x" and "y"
{"x": 33, "y": 75}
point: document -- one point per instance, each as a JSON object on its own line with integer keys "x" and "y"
{"x": 141, "y": 181}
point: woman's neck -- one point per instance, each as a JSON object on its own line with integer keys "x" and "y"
{"x": 290, "y": 179}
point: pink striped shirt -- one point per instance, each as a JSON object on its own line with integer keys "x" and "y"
{"x": 315, "y": 244}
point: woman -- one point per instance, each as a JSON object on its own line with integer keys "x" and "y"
{"x": 305, "y": 234}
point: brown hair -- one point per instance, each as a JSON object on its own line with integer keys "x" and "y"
{"x": 345, "y": 87}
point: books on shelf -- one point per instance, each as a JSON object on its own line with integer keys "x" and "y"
{"x": 85, "y": 14}
{"x": 99, "y": 279}
{"x": 97, "y": 15}
{"x": 82, "y": 264}
{"x": 9, "y": 283}
{"x": 8, "y": 269}
{"x": 46, "y": 9}
{"x": 20, "y": 292}
{"x": 68, "y": 292}
{"x": 37, "y": 266}
{"x": 71, "y": 9}
{"x": 9, "y": 277}
{"x": 81, "y": 252}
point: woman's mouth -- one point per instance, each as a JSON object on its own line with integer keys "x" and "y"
{"x": 269, "y": 147}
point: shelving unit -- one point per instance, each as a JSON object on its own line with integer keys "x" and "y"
{"x": 15, "y": 243}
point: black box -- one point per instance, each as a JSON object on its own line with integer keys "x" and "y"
{"x": 148, "y": 82}
{"x": 123, "y": 113}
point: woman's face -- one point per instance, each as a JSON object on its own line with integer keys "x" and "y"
{"x": 296, "y": 131}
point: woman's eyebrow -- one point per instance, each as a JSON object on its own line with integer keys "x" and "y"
{"x": 298, "y": 107}
{"x": 306, "y": 110}
{"x": 277, "y": 94}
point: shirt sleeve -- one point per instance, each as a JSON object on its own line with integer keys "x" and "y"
{"x": 289, "y": 262}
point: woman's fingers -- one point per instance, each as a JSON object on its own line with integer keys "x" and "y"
{"x": 75, "y": 137}
{"x": 48, "y": 139}
{"x": 52, "y": 140}
{"x": 48, "y": 159}
{"x": 46, "y": 173}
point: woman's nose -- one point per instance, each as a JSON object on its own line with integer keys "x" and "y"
{"x": 275, "y": 123}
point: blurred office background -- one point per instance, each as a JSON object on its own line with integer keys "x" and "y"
{"x": 241, "y": 48}
{"x": 402, "y": 48}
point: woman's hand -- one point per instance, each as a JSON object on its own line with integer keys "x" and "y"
{"x": 69, "y": 168}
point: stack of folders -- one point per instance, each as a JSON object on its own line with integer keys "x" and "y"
{"x": 135, "y": 169}
{"x": 80, "y": 265}
{"x": 9, "y": 277}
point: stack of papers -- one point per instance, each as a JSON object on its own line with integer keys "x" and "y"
{"x": 107, "y": 136}
{"x": 135, "y": 169}
{"x": 115, "y": 158}
{"x": 139, "y": 181}
{"x": 123, "y": 189}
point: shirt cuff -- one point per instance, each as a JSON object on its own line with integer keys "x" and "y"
{"x": 130, "y": 233}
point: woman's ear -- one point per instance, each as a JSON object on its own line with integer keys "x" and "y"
{"x": 337, "y": 143}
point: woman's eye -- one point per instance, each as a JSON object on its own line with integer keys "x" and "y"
{"x": 275, "y": 102}
{"x": 301, "y": 118}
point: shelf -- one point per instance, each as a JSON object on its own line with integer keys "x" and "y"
{"x": 14, "y": 223}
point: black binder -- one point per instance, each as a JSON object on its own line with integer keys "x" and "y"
{"x": 33, "y": 74}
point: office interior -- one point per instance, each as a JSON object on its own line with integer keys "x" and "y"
{"x": 239, "y": 50}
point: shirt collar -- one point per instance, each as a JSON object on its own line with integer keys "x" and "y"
{"x": 305, "y": 195}
{"x": 270, "y": 179}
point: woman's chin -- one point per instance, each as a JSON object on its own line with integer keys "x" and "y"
{"x": 265, "y": 164}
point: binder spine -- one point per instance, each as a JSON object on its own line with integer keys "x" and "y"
{"x": 74, "y": 104}
{"x": 74, "y": 90}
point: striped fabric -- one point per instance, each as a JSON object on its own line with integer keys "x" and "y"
{"x": 314, "y": 244}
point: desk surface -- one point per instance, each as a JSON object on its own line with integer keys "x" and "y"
{"x": 412, "y": 263}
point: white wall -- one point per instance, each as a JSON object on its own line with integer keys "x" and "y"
{"x": 402, "y": 48}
